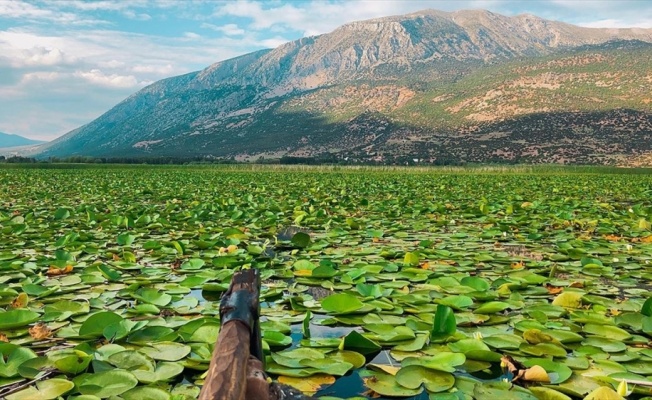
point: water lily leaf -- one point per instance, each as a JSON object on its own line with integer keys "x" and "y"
{"x": 185, "y": 391}
{"x": 328, "y": 366}
{"x": 603, "y": 393}
{"x": 491, "y": 307}
{"x": 544, "y": 393}
{"x": 543, "y": 349}
{"x": 556, "y": 371}
{"x": 68, "y": 306}
{"x": 166, "y": 351}
{"x": 341, "y": 303}
{"x": 323, "y": 271}
{"x": 70, "y": 361}
{"x": 441, "y": 361}
{"x": 386, "y": 385}
{"x": 106, "y": 384}
{"x": 444, "y": 323}
{"x": 193, "y": 264}
{"x": 152, "y": 296}
{"x": 17, "y": 318}
{"x": 608, "y": 345}
{"x": 308, "y": 385}
{"x": 11, "y": 357}
{"x": 146, "y": 392}
{"x": 536, "y": 336}
{"x": 351, "y": 357}
{"x": 459, "y": 302}
{"x": 607, "y": 331}
{"x": 434, "y": 381}
{"x": 164, "y": 371}
{"x": 505, "y": 342}
{"x": 61, "y": 214}
{"x": 642, "y": 367}
{"x": 476, "y": 283}
{"x": 300, "y": 239}
{"x": 415, "y": 345}
{"x": 33, "y": 367}
{"x": 45, "y": 390}
{"x": 646, "y": 309}
{"x": 131, "y": 360}
{"x": 125, "y": 239}
{"x": 577, "y": 386}
{"x": 278, "y": 339}
{"x": 411, "y": 259}
{"x": 95, "y": 324}
{"x": 568, "y": 300}
{"x": 356, "y": 342}
{"x": 156, "y": 333}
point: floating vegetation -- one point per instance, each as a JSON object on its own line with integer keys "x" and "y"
{"x": 397, "y": 283}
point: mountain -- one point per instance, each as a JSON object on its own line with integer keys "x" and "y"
{"x": 8, "y": 140}
{"x": 444, "y": 87}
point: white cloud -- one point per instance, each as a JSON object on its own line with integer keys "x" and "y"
{"x": 157, "y": 70}
{"x": 40, "y": 76}
{"x": 191, "y": 35}
{"x": 42, "y": 56}
{"x": 98, "y": 77}
{"x": 618, "y": 23}
{"x": 228, "y": 29}
{"x": 28, "y": 12}
{"x": 137, "y": 16}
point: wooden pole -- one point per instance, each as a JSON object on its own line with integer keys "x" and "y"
{"x": 238, "y": 339}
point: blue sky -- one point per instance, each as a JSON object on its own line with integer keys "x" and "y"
{"x": 65, "y": 62}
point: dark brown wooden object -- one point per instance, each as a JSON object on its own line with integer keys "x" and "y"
{"x": 237, "y": 360}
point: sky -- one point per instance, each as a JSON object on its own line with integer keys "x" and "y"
{"x": 63, "y": 63}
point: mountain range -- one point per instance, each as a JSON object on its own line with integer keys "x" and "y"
{"x": 8, "y": 140}
{"x": 466, "y": 86}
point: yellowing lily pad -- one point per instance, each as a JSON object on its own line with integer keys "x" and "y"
{"x": 309, "y": 385}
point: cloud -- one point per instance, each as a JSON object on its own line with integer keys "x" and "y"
{"x": 97, "y": 77}
{"x": 228, "y": 29}
{"x": 28, "y": 12}
{"x": 136, "y": 16}
{"x": 40, "y": 76}
{"x": 317, "y": 17}
{"x": 618, "y": 23}
{"x": 191, "y": 35}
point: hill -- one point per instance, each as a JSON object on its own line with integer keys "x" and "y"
{"x": 444, "y": 87}
{"x": 8, "y": 140}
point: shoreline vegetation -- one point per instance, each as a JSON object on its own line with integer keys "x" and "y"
{"x": 279, "y": 165}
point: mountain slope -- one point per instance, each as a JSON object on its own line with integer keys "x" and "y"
{"x": 369, "y": 84}
{"x": 9, "y": 140}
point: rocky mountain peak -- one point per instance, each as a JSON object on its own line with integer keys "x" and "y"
{"x": 366, "y": 75}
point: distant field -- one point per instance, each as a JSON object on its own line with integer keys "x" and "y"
{"x": 109, "y": 277}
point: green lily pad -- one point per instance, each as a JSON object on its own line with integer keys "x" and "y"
{"x": 95, "y": 324}
{"x": 17, "y": 318}
{"x": 441, "y": 361}
{"x": 434, "y": 381}
{"x": 491, "y": 307}
{"x": 341, "y": 303}
{"x": 45, "y": 390}
{"x": 164, "y": 371}
{"x": 387, "y": 385}
{"x": 106, "y": 384}
{"x": 607, "y": 331}
{"x": 11, "y": 357}
{"x": 166, "y": 351}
